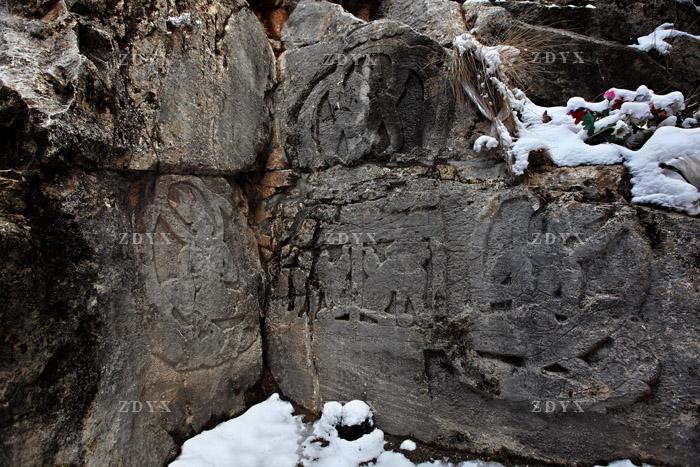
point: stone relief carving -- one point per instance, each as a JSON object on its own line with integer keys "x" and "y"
{"x": 546, "y": 325}
{"x": 381, "y": 283}
{"x": 194, "y": 281}
{"x": 377, "y": 102}
{"x": 536, "y": 325}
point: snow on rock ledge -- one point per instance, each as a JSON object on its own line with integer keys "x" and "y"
{"x": 651, "y": 183}
{"x": 657, "y": 39}
{"x": 565, "y": 142}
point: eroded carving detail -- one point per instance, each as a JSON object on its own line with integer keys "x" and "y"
{"x": 380, "y": 103}
{"x": 548, "y": 326}
{"x": 195, "y": 283}
{"x": 380, "y": 283}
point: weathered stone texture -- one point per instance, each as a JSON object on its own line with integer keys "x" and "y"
{"x": 137, "y": 88}
{"x": 174, "y": 200}
{"x": 376, "y": 93}
{"x": 159, "y": 307}
{"x": 547, "y": 318}
{"x": 132, "y": 299}
{"x": 452, "y": 308}
{"x": 441, "y": 20}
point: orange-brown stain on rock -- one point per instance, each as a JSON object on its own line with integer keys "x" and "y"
{"x": 276, "y": 21}
{"x": 364, "y": 12}
{"x": 273, "y": 21}
{"x": 134, "y": 196}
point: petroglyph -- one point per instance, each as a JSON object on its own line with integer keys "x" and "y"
{"x": 195, "y": 283}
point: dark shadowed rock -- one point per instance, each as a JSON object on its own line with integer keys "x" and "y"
{"x": 621, "y": 21}
{"x": 148, "y": 333}
{"x": 561, "y": 64}
{"x": 187, "y": 94}
{"x": 132, "y": 300}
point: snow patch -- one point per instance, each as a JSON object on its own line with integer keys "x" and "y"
{"x": 553, "y": 130}
{"x": 484, "y": 141}
{"x": 268, "y": 435}
{"x": 356, "y": 413}
{"x": 184, "y": 19}
{"x": 651, "y": 183}
{"x": 657, "y": 39}
{"x": 407, "y": 445}
{"x": 492, "y": 56}
{"x": 560, "y": 136}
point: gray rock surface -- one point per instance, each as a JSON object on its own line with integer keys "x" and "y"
{"x": 177, "y": 201}
{"x": 550, "y": 320}
{"x": 213, "y": 110}
{"x": 441, "y": 20}
{"x": 149, "y": 333}
{"x": 130, "y": 88}
{"x": 132, "y": 299}
{"x": 313, "y": 21}
{"x": 373, "y": 93}
{"x": 462, "y": 312}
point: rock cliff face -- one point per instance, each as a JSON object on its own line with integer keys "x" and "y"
{"x": 195, "y": 194}
{"x": 133, "y": 280}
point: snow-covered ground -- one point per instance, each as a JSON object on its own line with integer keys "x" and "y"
{"x": 270, "y": 435}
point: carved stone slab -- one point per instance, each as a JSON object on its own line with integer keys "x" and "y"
{"x": 486, "y": 320}
{"x": 374, "y": 92}
{"x": 198, "y": 273}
